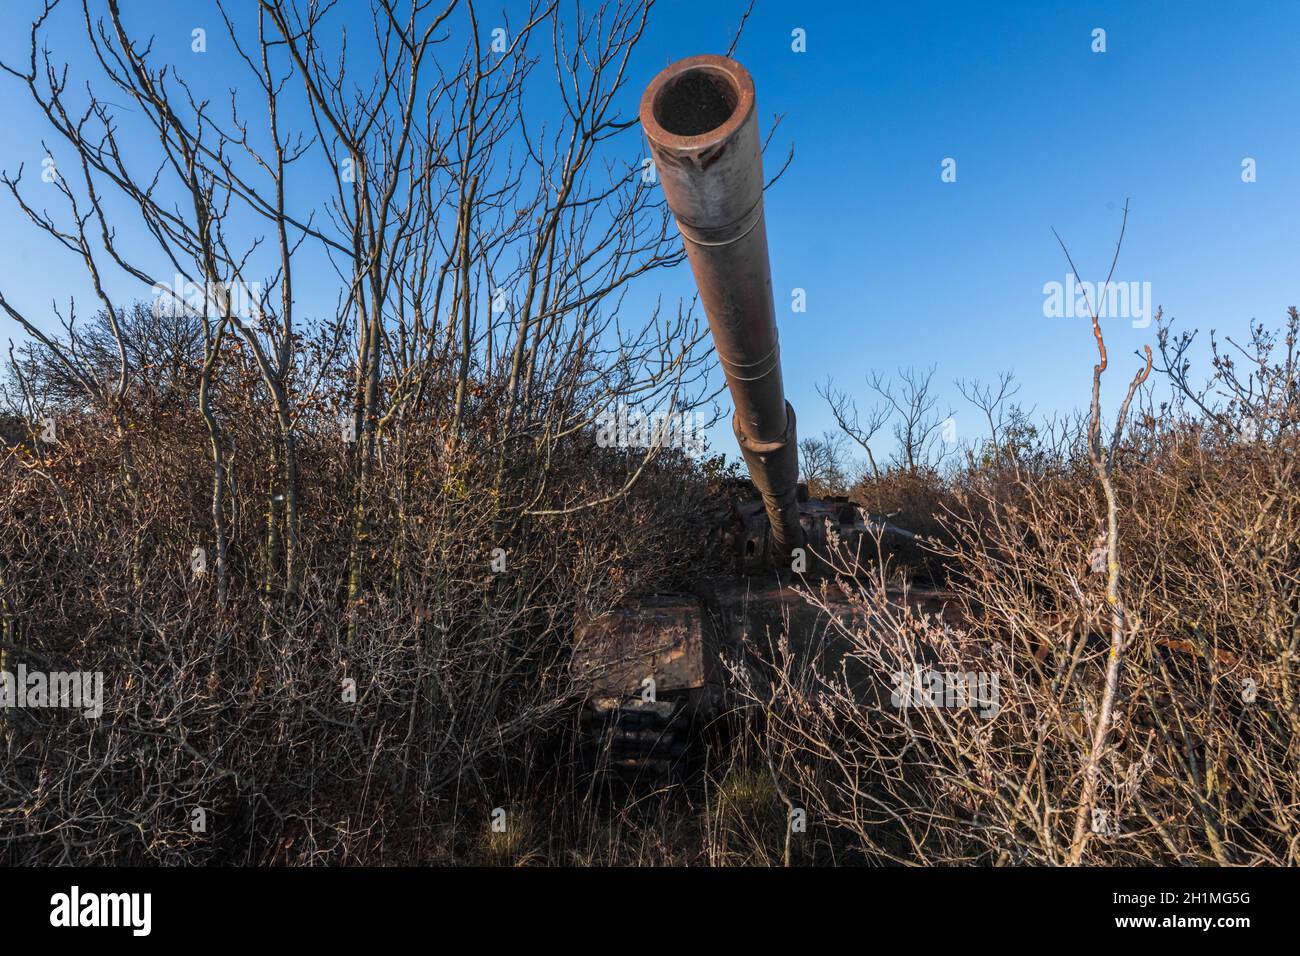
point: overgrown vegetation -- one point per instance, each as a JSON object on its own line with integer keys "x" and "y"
{"x": 464, "y": 704}
{"x": 311, "y": 727}
{"x": 329, "y": 560}
{"x": 1198, "y": 761}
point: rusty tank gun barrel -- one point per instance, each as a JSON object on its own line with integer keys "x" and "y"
{"x": 699, "y": 116}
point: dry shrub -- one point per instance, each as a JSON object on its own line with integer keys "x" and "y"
{"x": 239, "y": 710}
{"x": 1203, "y": 760}
{"x": 348, "y": 428}
{"x": 916, "y": 501}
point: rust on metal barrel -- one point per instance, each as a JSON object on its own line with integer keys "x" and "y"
{"x": 700, "y": 118}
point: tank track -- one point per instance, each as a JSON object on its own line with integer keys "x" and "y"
{"x": 642, "y": 743}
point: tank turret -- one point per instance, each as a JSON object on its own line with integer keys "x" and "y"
{"x": 652, "y": 668}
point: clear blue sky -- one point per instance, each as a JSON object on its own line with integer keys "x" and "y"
{"x": 899, "y": 267}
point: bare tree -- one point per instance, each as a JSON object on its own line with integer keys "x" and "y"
{"x": 1122, "y": 630}
{"x": 861, "y": 430}
{"x": 992, "y": 401}
{"x": 824, "y": 463}
{"x": 918, "y": 430}
{"x": 478, "y": 246}
{"x": 398, "y": 261}
{"x": 1256, "y": 385}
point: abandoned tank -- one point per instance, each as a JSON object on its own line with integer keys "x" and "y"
{"x": 653, "y": 668}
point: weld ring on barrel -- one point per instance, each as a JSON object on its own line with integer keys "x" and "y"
{"x": 772, "y": 360}
{"x": 749, "y": 220}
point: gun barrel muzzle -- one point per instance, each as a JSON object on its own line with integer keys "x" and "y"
{"x": 699, "y": 117}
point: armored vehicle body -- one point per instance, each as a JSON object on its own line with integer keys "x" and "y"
{"x": 654, "y": 667}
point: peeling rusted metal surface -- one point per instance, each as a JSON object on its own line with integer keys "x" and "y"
{"x": 699, "y": 117}
{"x": 838, "y": 535}
{"x": 661, "y": 638}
